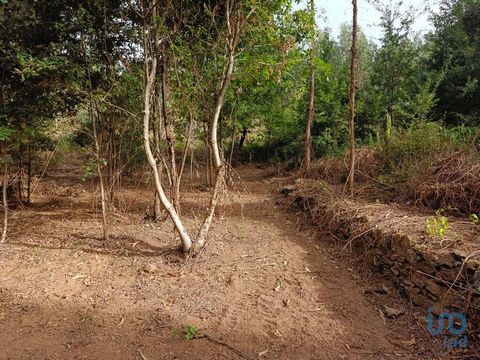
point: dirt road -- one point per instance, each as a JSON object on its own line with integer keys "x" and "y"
{"x": 261, "y": 289}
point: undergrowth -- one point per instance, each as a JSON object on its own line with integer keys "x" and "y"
{"x": 425, "y": 164}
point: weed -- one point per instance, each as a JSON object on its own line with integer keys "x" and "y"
{"x": 438, "y": 225}
{"x": 191, "y": 332}
{"x": 474, "y": 219}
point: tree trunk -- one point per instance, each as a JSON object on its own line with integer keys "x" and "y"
{"x": 150, "y": 72}
{"x": 311, "y": 94}
{"x": 20, "y": 184}
{"x": 4, "y": 194}
{"x": 169, "y": 133}
{"x": 185, "y": 151}
{"x": 218, "y": 161}
{"x": 157, "y": 210}
{"x": 191, "y": 162}
{"x": 351, "y": 119}
{"x": 111, "y": 174}
{"x": 103, "y": 195}
{"x": 208, "y": 156}
{"x": 230, "y": 157}
{"x": 96, "y": 144}
{"x": 242, "y": 138}
{"x": 29, "y": 173}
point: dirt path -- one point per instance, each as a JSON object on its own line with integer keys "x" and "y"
{"x": 261, "y": 289}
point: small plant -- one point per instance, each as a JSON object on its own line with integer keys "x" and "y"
{"x": 474, "y": 219}
{"x": 438, "y": 225}
{"x": 191, "y": 332}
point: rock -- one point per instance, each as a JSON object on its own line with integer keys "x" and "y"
{"x": 405, "y": 242}
{"x": 392, "y": 312}
{"x": 433, "y": 288}
{"x": 420, "y": 300}
{"x": 437, "y": 308}
{"x": 418, "y": 281}
{"x": 150, "y": 269}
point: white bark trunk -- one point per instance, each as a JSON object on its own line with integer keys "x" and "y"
{"x": 100, "y": 177}
{"x": 150, "y": 78}
{"x": 4, "y": 196}
{"x": 218, "y": 159}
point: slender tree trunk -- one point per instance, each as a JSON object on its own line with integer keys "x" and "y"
{"x": 150, "y": 72}
{"x": 232, "y": 146}
{"x": 191, "y": 162}
{"x": 157, "y": 124}
{"x": 218, "y": 161}
{"x": 29, "y": 174}
{"x": 4, "y": 194}
{"x": 230, "y": 157}
{"x": 169, "y": 133}
{"x": 20, "y": 184}
{"x": 208, "y": 156}
{"x": 311, "y": 95}
{"x": 185, "y": 151}
{"x": 96, "y": 145}
{"x": 103, "y": 195}
{"x": 351, "y": 119}
{"x": 111, "y": 161}
{"x": 242, "y": 138}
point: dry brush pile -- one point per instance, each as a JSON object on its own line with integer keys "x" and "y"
{"x": 440, "y": 180}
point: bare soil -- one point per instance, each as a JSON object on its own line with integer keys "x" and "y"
{"x": 262, "y": 288}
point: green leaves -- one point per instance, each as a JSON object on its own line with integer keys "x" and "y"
{"x": 474, "y": 219}
{"x": 438, "y": 225}
{"x": 191, "y": 332}
{"x": 5, "y": 133}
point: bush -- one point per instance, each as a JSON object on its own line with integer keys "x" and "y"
{"x": 426, "y": 164}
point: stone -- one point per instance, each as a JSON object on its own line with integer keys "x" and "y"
{"x": 433, "y": 288}
{"x": 393, "y": 312}
{"x": 150, "y": 268}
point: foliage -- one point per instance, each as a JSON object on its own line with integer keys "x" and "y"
{"x": 191, "y": 332}
{"x": 416, "y": 97}
{"x": 474, "y": 219}
{"x": 437, "y": 225}
{"x": 455, "y": 49}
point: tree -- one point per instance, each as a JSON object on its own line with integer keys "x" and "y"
{"x": 455, "y": 49}
{"x": 154, "y": 37}
{"x": 5, "y": 134}
{"x": 311, "y": 93}
{"x": 351, "y": 120}
{"x": 35, "y": 80}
